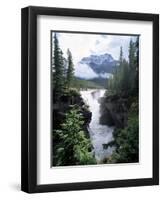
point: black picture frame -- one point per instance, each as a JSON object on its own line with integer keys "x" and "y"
{"x": 29, "y": 99}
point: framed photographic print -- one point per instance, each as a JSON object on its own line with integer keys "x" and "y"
{"x": 90, "y": 99}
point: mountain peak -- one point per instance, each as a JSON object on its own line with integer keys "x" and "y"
{"x": 98, "y": 59}
{"x": 102, "y": 63}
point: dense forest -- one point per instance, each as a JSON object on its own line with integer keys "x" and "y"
{"x": 71, "y": 142}
{"x": 121, "y": 107}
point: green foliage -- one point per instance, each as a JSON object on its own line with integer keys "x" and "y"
{"x": 70, "y": 144}
{"x": 58, "y": 67}
{"x": 73, "y": 146}
{"x": 120, "y": 82}
{"x": 127, "y": 139}
{"x": 85, "y": 84}
{"x": 125, "y": 77}
{"x": 62, "y": 76}
{"x": 121, "y": 56}
{"x": 132, "y": 54}
{"x": 72, "y": 92}
{"x": 70, "y": 70}
{"x": 124, "y": 83}
{"x": 134, "y": 65}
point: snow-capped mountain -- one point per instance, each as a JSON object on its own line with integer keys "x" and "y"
{"x": 100, "y": 64}
{"x": 98, "y": 59}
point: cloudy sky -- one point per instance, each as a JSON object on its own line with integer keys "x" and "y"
{"x": 84, "y": 45}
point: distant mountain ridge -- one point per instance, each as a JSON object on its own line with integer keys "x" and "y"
{"x": 100, "y": 64}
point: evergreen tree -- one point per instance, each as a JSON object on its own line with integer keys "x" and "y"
{"x": 119, "y": 83}
{"x": 137, "y": 52}
{"x": 137, "y": 65}
{"x": 121, "y": 56}
{"x": 58, "y": 68}
{"x": 73, "y": 148}
{"x": 124, "y": 77}
{"x": 124, "y": 83}
{"x": 133, "y": 65}
{"x": 132, "y": 55}
{"x": 127, "y": 139}
{"x": 70, "y": 69}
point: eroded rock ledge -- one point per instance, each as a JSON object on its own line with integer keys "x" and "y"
{"x": 65, "y": 103}
{"x": 114, "y": 109}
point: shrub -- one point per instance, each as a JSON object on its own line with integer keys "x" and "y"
{"x": 73, "y": 146}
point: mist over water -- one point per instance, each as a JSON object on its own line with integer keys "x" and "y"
{"x": 99, "y": 134}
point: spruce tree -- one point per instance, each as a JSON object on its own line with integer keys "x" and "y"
{"x": 58, "y": 68}
{"x": 132, "y": 55}
{"x": 133, "y": 64}
{"x": 74, "y": 147}
{"x": 70, "y": 69}
{"x": 137, "y": 65}
{"x": 121, "y": 56}
{"x": 137, "y": 52}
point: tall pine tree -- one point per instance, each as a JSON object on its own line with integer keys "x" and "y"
{"x": 137, "y": 65}
{"x": 58, "y": 68}
{"x": 121, "y": 56}
{"x": 70, "y": 69}
{"x": 133, "y": 64}
{"x": 132, "y": 55}
{"x": 74, "y": 147}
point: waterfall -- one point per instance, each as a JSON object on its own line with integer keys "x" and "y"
{"x": 99, "y": 134}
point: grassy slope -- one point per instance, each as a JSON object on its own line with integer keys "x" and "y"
{"x": 80, "y": 83}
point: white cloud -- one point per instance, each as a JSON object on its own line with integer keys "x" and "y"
{"x": 105, "y": 75}
{"x": 83, "y": 45}
{"x": 79, "y": 44}
{"x": 84, "y": 71}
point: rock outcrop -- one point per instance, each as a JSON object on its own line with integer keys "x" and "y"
{"x": 114, "y": 111}
{"x": 65, "y": 103}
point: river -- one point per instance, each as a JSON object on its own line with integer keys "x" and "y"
{"x": 99, "y": 134}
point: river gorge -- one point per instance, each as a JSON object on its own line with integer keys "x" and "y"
{"x": 100, "y": 135}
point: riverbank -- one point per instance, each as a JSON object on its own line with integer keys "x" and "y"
{"x": 122, "y": 111}
{"x": 70, "y": 139}
{"x": 65, "y": 103}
